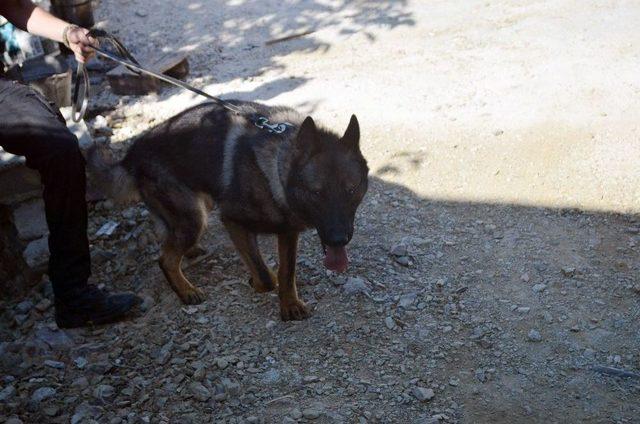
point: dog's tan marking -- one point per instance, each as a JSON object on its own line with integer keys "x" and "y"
{"x": 268, "y": 160}
{"x": 236, "y": 130}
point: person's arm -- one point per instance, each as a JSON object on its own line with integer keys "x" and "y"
{"x": 29, "y": 17}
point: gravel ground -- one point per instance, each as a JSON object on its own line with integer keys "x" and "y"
{"x": 468, "y": 299}
{"x": 465, "y": 313}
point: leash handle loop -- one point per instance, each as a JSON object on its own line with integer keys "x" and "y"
{"x": 80, "y": 93}
{"x": 102, "y": 35}
{"x": 82, "y": 83}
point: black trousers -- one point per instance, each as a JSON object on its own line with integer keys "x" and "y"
{"x": 32, "y": 127}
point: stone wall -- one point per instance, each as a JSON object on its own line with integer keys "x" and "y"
{"x": 11, "y": 264}
{"x": 23, "y": 229}
{"x": 21, "y": 217}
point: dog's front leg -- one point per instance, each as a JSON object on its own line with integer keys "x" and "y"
{"x": 291, "y": 307}
{"x": 262, "y": 279}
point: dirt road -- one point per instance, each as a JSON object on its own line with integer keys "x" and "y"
{"x": 494, "y": 269}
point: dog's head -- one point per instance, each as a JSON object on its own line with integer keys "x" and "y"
{"x": 328, "y": 180}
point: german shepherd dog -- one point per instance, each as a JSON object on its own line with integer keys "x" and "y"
{"x": 262, "y": 182}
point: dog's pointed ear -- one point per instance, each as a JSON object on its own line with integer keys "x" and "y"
{"x": 351, "y": 136}
{"x": 308, "y": 130}
{"x": 307, "y": 137}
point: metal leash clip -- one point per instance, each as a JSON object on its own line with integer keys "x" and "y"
{"x": 263, "y": 123}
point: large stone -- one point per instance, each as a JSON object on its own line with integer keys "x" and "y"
{"x": 30, "y": 220}
{"x": 36, "y": 255}
{"x": 11, "y": 262}
{"x": 57, "y": 340}
{"x": 79, "y": 129}
{"x": 17, "y": 182}
{"x": 15, "y": 276}
{"x": 22, "y": 223}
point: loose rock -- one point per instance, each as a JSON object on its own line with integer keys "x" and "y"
{"x": 390, "y": 323}
{"x": 104, "y": 392}
{"x": 407, "y": 300}
{"x": 534, "y": 336}
{"x": 24, "y": 307}
{"x": 42, "y": 393}
{"x": 423, "y": 394}
{"x": 355, "y": 286}
{"x": 7, "y": 393}
{"x": 199, "y": 391}
{"x": 54, "y": 364}
{"x": 311, "y": 413}
{"x": 538, "y": 288}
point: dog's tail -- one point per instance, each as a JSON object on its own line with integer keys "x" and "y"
{"x": 111, "y": 177}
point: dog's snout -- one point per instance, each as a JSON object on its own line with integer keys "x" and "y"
{"x": 337, "y": 239}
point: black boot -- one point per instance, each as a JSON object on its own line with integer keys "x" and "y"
{"x": 91, "y": 306}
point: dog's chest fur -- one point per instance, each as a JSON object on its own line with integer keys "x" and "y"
{"x": 255, "y": 171}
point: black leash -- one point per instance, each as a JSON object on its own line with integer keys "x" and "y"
{"x": 82, "y": 84}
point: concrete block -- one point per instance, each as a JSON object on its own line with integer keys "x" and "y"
{"x": 19, "y": 183}
{"x": 29, "y": 220}
{"x": 123, "y": 81}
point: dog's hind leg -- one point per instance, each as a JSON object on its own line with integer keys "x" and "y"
{"x": 262, "y": 278}
{"x": 184, "y": 218}
{"x": 170, "y": 263}
{"x": 198, "y": 249}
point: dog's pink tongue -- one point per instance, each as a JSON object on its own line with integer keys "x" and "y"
{"x": 336, "y": 259}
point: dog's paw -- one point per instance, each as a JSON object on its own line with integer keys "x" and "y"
{"x": 263, "y": 287}
{"x": 294, "y": 310}
{"x": 192, "y": 296}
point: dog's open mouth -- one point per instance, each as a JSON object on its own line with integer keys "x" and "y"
{"x": 336, "y": 258}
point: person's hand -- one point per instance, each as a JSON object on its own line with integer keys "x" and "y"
{"x": 80, "y": 43}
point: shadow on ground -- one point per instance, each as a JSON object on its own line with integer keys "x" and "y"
{"x": 442, "y": 296}
{"x": 235, "y": 33}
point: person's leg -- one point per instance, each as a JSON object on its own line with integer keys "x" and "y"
{"x": 31, "y": 127}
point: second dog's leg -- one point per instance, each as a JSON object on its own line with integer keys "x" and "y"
{"x": 291, "y": 307}
{"x": 262, "y": 279}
